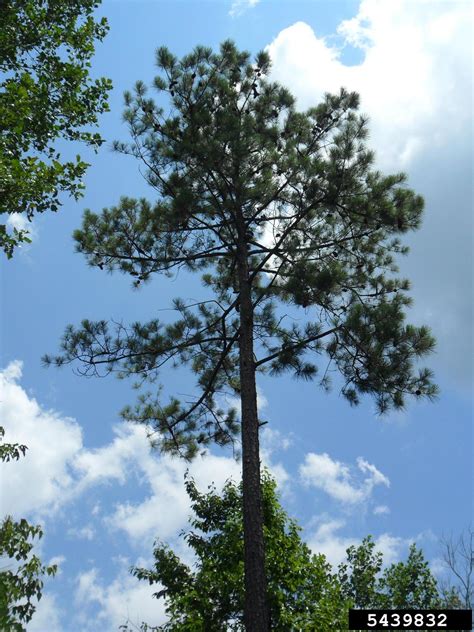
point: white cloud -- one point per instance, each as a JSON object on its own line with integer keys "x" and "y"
{"x": 57, "y": 560}
{"x": 240, "y": 6}
{"x": 114, "y": 461}
{"x": 124, "y": 599}
{"x": 234, "y": 401}
{"x": 381, "y": 510}
{"x": 58, "y": 468}
{"x": 415, "y": 83}
{"x": 38, "y": 481}
{"x": 327, "y": 540}
{"x": 165, "y": 477}
{"x": 338, "y": 480}
{"x": 18, "y": 221}
{"x": 271, "y": 443}
{"x": 438, "y": 567}
{"x": 86, "y": 582}
{"x": 274, "y": 440}
{"x": 21, "y": 222}
{"x": 47, "y": 615}
{"x": 374, "y": 476}
{"x": 86, "y": 532}
{"x": 262, "y": 401}
{"x": 149, "y": 519}
{"x": 414, "y": 76}
{"x": 391, "y": 546}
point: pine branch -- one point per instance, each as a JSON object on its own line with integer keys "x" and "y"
{"x": 297, "y": 345}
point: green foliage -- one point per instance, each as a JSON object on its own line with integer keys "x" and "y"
{"x": 303, "y": 593}
{"x": 21, "y": 582}
{"x": 10, "y": 451}
{"x": 241, "y": 175}
{"x": 358, "y": 576}
{"x": 408, "y": 584}
{"x": 46, "y": 94}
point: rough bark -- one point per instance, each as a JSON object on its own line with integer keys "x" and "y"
{"x": 256, "y": 614}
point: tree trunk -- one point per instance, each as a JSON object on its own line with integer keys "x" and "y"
{"x": 256, "y": 615}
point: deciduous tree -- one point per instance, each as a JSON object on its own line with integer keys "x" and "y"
{"x": 21, "y": 572}
{"x": 458, "y": 558}
{"x": 409, "y": 584}
{"x": 303, "y": 592}
{"x": 46, "y": 94}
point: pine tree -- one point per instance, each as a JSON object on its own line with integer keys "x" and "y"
{"x": 278, "y": 209}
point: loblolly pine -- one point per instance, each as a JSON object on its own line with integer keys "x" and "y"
{"x": 277, "y": 209}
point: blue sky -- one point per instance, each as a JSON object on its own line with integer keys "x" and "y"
{"x": 92, "y": 481}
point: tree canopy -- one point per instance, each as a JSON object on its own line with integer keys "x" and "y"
{"x": 277, "y": 209}
{"x": 305, "y": 592}
{"x": 408, "y": 584}
{"x": 321, "y": 228}
{"x": 302, "y": 591}
{"x": 21, "y": 571}
{"x": 46, "y": 94}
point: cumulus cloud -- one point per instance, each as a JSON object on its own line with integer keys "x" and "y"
{"x": 234, "y": 402}
{"x": 391, "y": 546}
{"x": 272, "y": 442}
{"x": 150, "y": 518}
{"x": 338, "y": 480}
{"x": 56, "y": 472}
{"x": 165, "y": 476}
{"x": 328, "y": 540}
{"x": 123, "y": 600}
{"x": 114, "y": 461}
{"x": 43, "y": 477}
{"x": 406, "y": 85}
{"x": 374, "y": 476}
{"x": 275, "y": 441}
{"x": 47, "y": 615}
{"x": 20, "y": 222}
{"x": 240, "y": 6}
{"x": 58, "y": 469}
{"x": 438, "y": 567}
{"x": 415, "y": 84}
